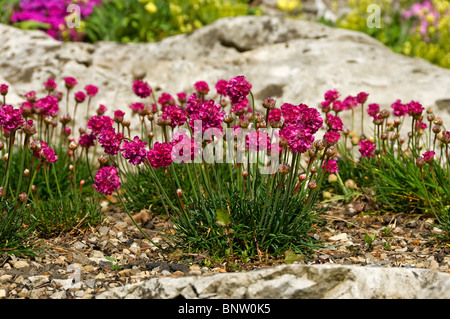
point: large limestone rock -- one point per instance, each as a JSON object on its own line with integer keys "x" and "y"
{"x": 291, "y": 60}
{"x": 295, "y": 282}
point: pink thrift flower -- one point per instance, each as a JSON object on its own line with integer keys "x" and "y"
{"x": 118, "y": 116}
{"x": 400, "y": 109}
{"x": 101, "y": 109}
{"x": 176, "y": 115}
{"x": 166, "y": 99}
{"x": 30, "y": 96}
{"x": 142, "y": 89}
{"x": 241, "y": 107}
{"x": 361, "y": 98}
{"x": 181, "y": 97}
{"x": 331, "y": 95}
{"x": 366, "y": 148}
{"x": 47, "y": 105}
{"x": 338, "y": 106}
{"x": 107, "y": 180}
{"x": 330, "y": 166}
{"x": 350, "y": 102}
{"x": 184, "y": 149}
{"x": 421, "y": 125}
{"x": 415, "y": 108}
{"x": 335, "y": 122}
{"x": 134, "y": 151}
{"x": 26, "y": 109}
{"x": 91, "y": 90}
{"x": 50, "y": 85}
{"x": 46, "y": 153}
{"x": 373, "y": 109}
{"x": 97, "y": 122}
{"x": 4, "y": 89}
{"x": 70, "y": 82}
{"x": 201, "y": 87}
{"x": 298, "y": 138}
{"x": 209, "y": 114}
{"x": 331, "y": 137}
{"x": 238, "y": 88}
{"x": 160, "y": 155}
{"x": 87, "y": 140}
{"x": 274, "y": 117}
{"x": 110, "y": 140}
{"x": 10, "y": 118}
{"x": 257, "y": 141}
{"x": 137, "y": 108}
{"x": 221, "y": 87}
{"x": 80, "y": 96}
{"x": 429, "y": 156}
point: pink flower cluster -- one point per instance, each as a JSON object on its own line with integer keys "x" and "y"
{"x": 10, "y": 118}
{"x": 107, "y": 180}
{"x": 134, "y": 151}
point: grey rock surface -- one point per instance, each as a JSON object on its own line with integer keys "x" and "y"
{"x": 294, "y": 282}
{"x": 293, "y": 61}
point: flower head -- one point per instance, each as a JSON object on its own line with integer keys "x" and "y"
{"x": 50, "y": 85}
{"x": 335, "y": 122}
{"x": 98, "y": 122}
{"x": 400, "y": 109}
{"x": 361, "y": 98}
{"x": 70, "y": 82}
{"x": 350, "y": 102}
{"x": 118, "y": 116}
{"x": 373, "y": 109}
{"x": 331, "y": 137}
{"x": 91, "y": 90}
{"x": 298, "y": 138}
{"x": 87, "y": 140}
{"x": 46, "y": 153}
{"x": 184, "y": 149}
{"x": 221, "y": 87}
{"x": 137, "y": 107}
{"x": 257, "y": 141}
{"x": 238, "y": 88}
{"x": 141, "y": 88}
{"x": 415, "y": 108}
{"x": 107, "y": 180}
{"x": 331, "y": 95}
{"x": 201, "y": 87}
{"x": 47, "y": 105}
{"x": 110, "y": 140}
{"x": 10, "y": 118}
{"x": 134, "y": 151}
{"x": 429, "y": 156}
{"x": 366, "y": 148}
{"x": 3, "y": 89}
{"x": 80, "y": 96}
{"x": 176, "y": 114}
{"x": 166, "y": 99}
{"x": 160, "y": 155}
{"x": 330, "y": 166}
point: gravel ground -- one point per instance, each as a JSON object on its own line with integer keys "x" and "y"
{"x": 80, "y": 266}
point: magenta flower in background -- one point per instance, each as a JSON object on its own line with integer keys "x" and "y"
{"x": 330, "y": 166}
{"x": 166, "y": 99}
{"x": 415, "y": 108}
{"x": 274, "y": 116}
{"x": 238, "y": 88}
{"x": 366, "y": 148}
{"x": 210, "y": 115}
{"x": 331, "y": 137}
{"x": 30, "y": 96}
{"x": 46, "y": 153}
{"x": 10, "y": 118}
{"x": 429, "y": 156}
{"x": 257, "y": 141}
{"x": 373, "y": 109}
{"x": 137, "y": 107}
{"x": 26, "y": 109}
{"x": 192, "y": 104}
{"x": 134, "y": 151}
{"x": 101, "y": 109}
{"x": 91, "y": 90}
{"x": 184, "y": 149}
{"x": 176, "y": 114}
{"x": 400, "y": 109}
{"x": 70, "y": 82}
{"x": 338, "y": 106}
{"x": 50, "y": 85}
{"x": 421, "y": 125}
{"x": 107, "y": 180}
{"x": 87, "y": 140}
{"x": 331, "y": 95}
{"x": 241, "y": 107}
{"x": 182, "y": 96}
{"x": 97, "y": 122}
{"x": 110, "y": 140}
{"x": 299, "y": 139}
{"x": 47, "y": 105}
{"x": 350, "y": 102}
{"x": 201, "y": 87}
{"x": 142, "y": 89}
{"x": 221, "y": 87}
{"x": 302, "y": 115}
{"x": 361, "y": 98}
{"x": 335, "y": 122}
{"x": 80, "y": 96}
{"x": 4, "y": 89}
{"x": 118, "y": 116}
{"x": 160, "y": 155}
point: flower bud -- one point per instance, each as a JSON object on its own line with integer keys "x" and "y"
{"x": 420, "y": 161}
{"x": 284, "y": 168}
{"x": 269, "y": 103}
{"x": 82, "y": 182}
{"x": 5, "y": 157}
{"x": 302, "y": 177}
{"x": 73, "y": 146}
{"x": 151, "y": 135}
{"x": 349, "y": 183}
{"x": 355, "y": 140}
{"x": 245, "y": 174}
{"x": 2, "y": 192}
{"x": 2, "y": 145}
{"x": 228, "y": 118}
{"x": 33, "y": 188}
{"x": 332, "y": 178}
{"x": 103, "y": 159}
{"x": 82, "y": 130}
{"x": 71, "y": 168}
{"x": 126, "y": 123}
{"x": 436, "y": 129}
{"x": 23, "y": 197}
{"x": 26, "y": 172}
{"x": 326, "y": 195}
{"x": 179, "y": 192}
{"x": 312, "y": 185}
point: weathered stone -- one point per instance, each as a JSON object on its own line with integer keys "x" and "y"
{"x": 289, "y": 282}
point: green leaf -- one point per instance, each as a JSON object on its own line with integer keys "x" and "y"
{"x": 290, "y": 257}
{"x": 222, "y": 217}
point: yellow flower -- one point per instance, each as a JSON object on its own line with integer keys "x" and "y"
{"x": 151, "y": 7}
{"x": 289, "y": 5}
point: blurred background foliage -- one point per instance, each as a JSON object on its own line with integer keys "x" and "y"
{"x": 412, "y": 27}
